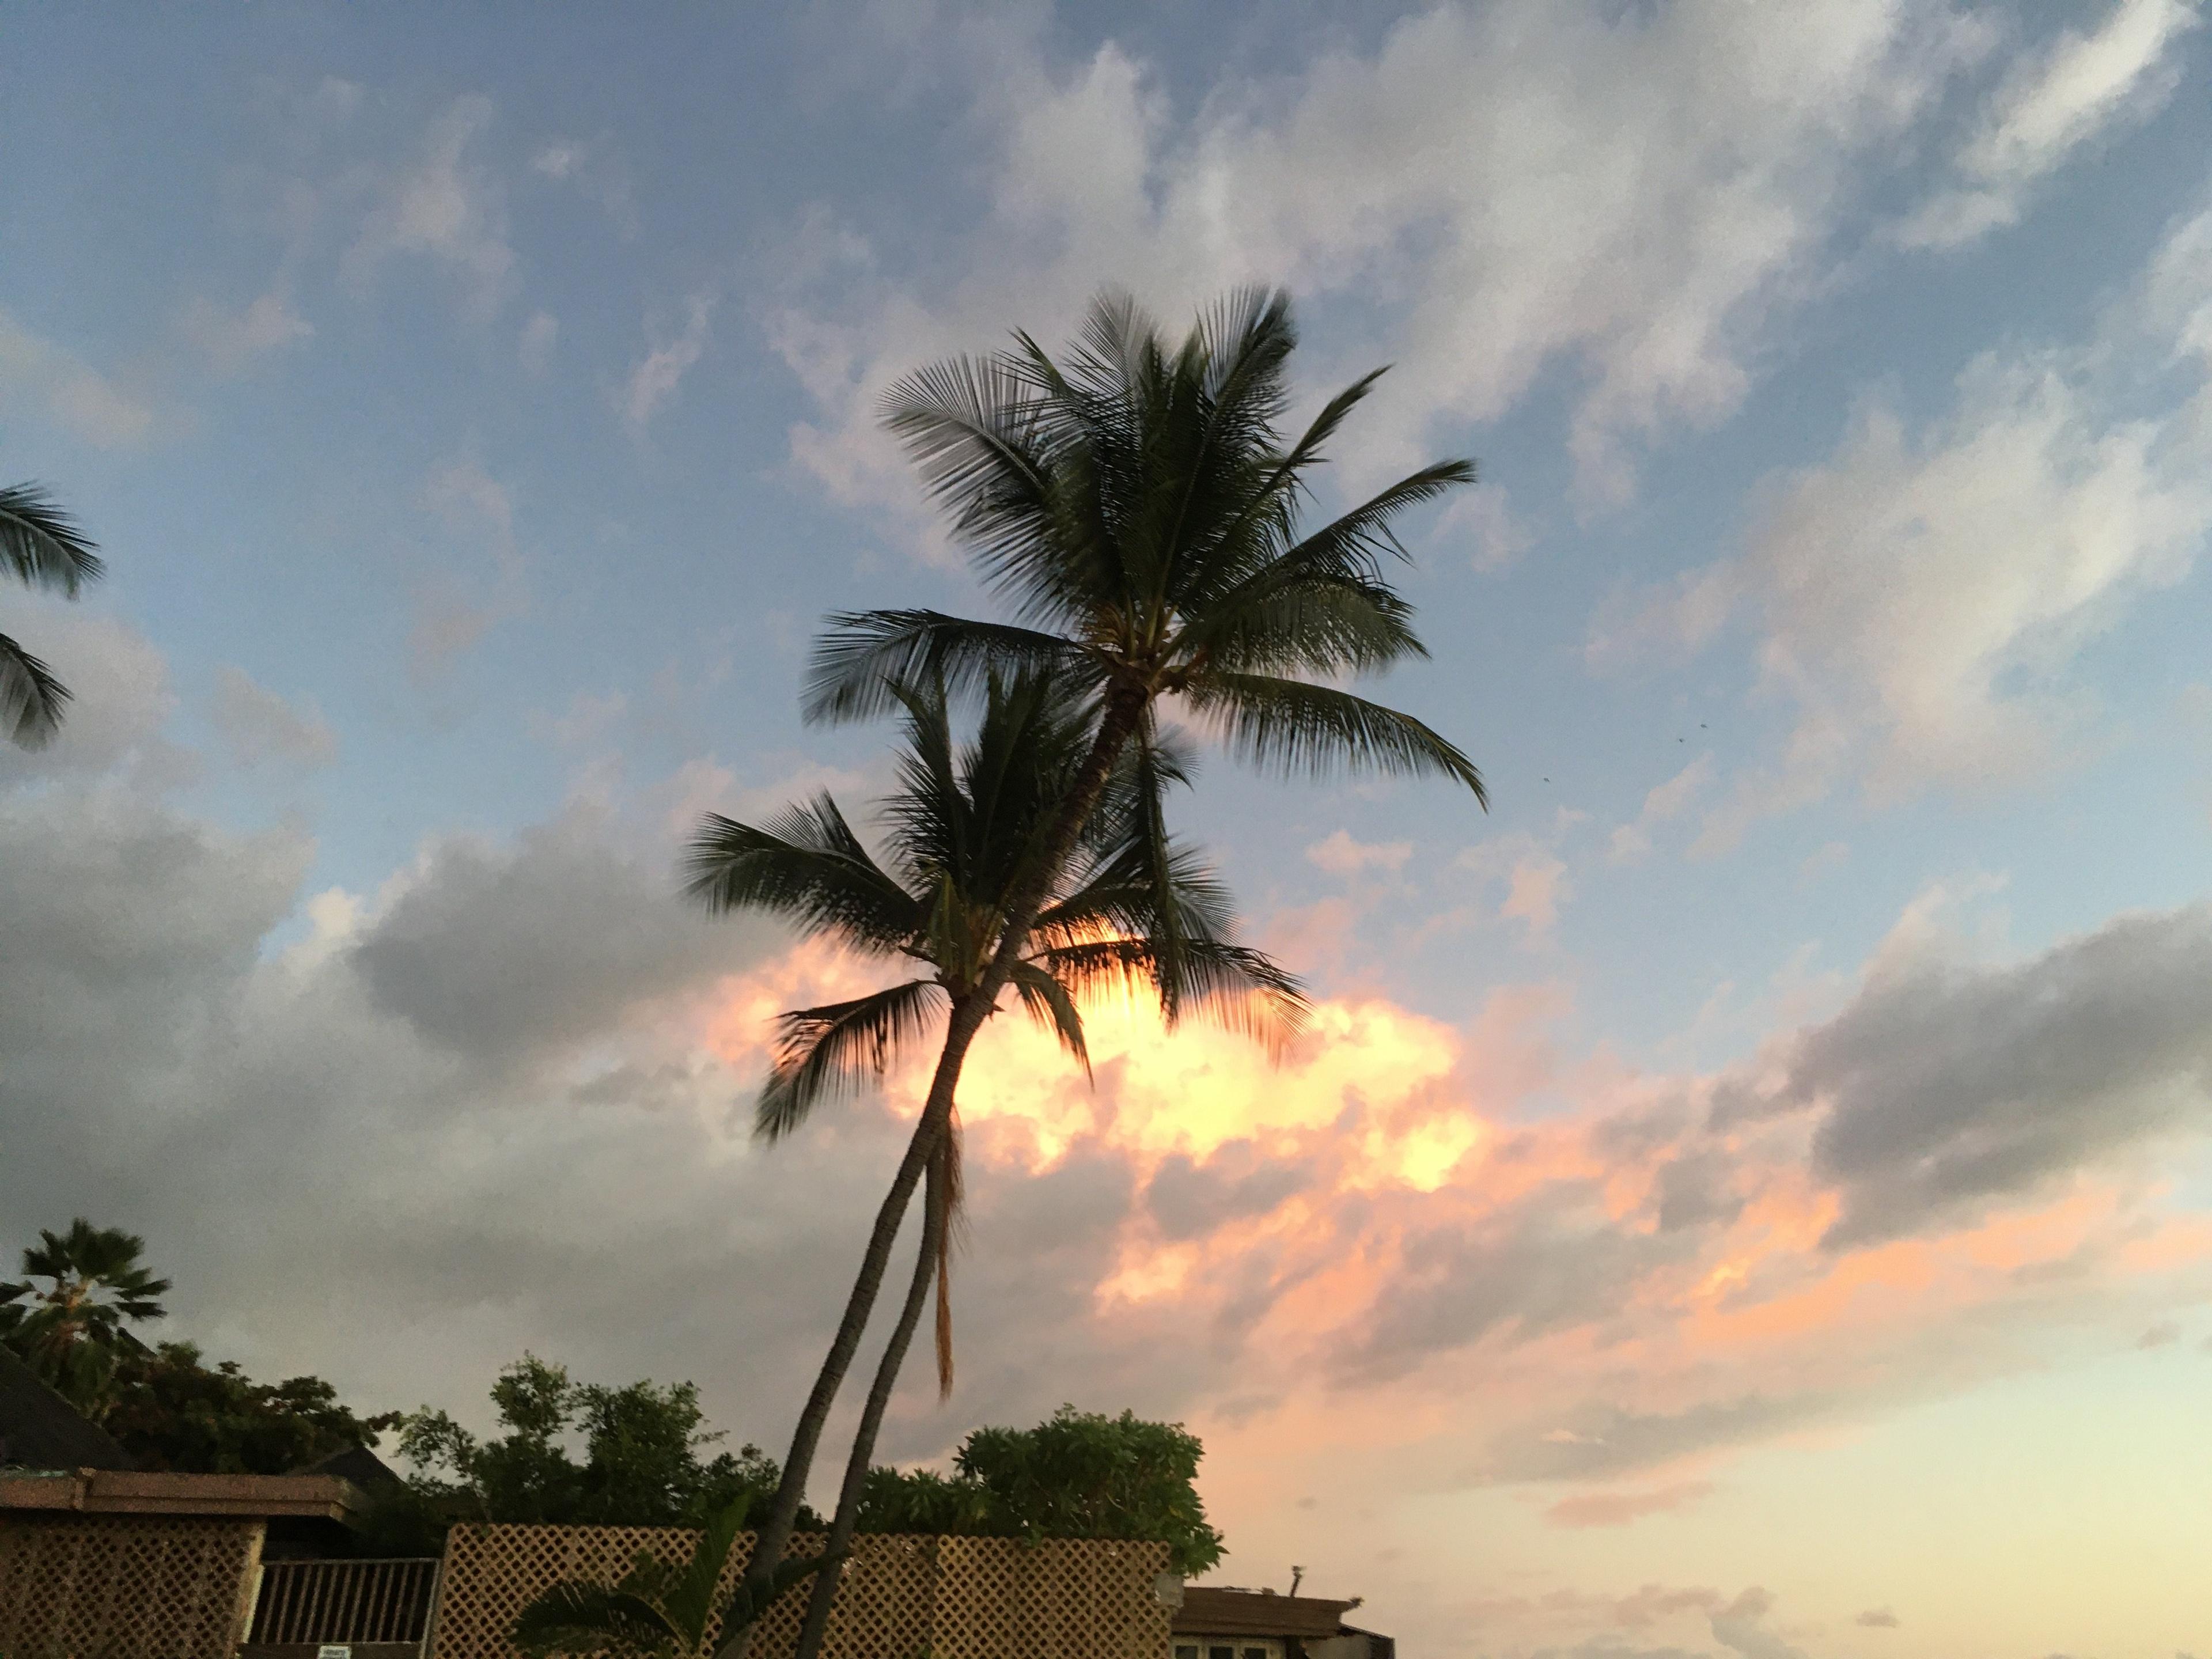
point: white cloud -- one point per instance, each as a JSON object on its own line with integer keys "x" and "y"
{"x": 656, "y": 377}
{"x": 445, "y": 208}
{"x": 2072, "y": 93}
{"x": 1534, "y": 876}
{"x": 1341, "y": 856}
{"x": 1921, "y": 598}
{"x": 591, "y": 167}
{"x": 76, "y": 396}
{"x": 477, "y": 508}
{"x": 1631, "y": 842}
{"x": 232, "y": 340}
{"x": 1632, "y": 195}
{"x": 256, "y": 725}
{"x": 535, "y": 348}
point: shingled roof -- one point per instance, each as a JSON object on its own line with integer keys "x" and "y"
{"x": 40, "y": 1430}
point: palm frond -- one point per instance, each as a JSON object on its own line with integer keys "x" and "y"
{"x": 40, "y": 545}
{"x": 688, "y": 1598}
{"x": 805, "y": 864}
{"x": 826, "y": 1051}
{"x": 581, "y": 1618}
{"x": 861, "y": 654}
{"x": 1291, "y": 727}
{"x": 32, "y": 700}
{"x": 1046, "y": 1001}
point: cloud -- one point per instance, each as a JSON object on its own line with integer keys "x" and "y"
{"x": 70, "y": 393}
{"x": 535, "y": 348}
{"x": 1341, "y": 856}
{"x": 1877, "y": 1619}
{"x": 1622, "y": 1509}
{"x": 1946, "y": 1087}
{"x": 1535, "y": 879}
{"x": 1633, "y": 197}
{"x": 1742, "y": 1626}
{"x": 500, "y": 1100}
{"x": 232, "y": 340}
{"x": 1921, "y": 598}
{"x": 445, "y": 208}
{"x": 257, "y": 726}
{"x": 1631, "y": 842}
{"x": 653, "y": 381}
{"x": 591, "y": 167}
{"x": 2164, "y": 1334}
{"x": 2054, "y": 104}
{"x": 477, "y": 509}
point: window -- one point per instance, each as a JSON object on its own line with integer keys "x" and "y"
{"x": 1185, "y": 1651}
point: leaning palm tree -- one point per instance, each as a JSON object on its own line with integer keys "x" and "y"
{"x": 658, "y": 1609}
{"x": 41, "y": 546}
{"x": 1140, "y": 508}
{"x": 1132, "y": 908}
{"x": 72, "y": 1331}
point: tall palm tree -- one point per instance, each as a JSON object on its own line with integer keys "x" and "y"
{"x": 1132, "y": 908}
{"x": 72, "y": 1331}
{"x": 1140, "y": 508}
{"x": 41, "y": 546}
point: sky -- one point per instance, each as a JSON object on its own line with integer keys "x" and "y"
{"x": 1749, "y": 1192}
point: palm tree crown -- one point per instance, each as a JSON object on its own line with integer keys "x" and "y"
{"x": 71, "y": 1331}
{"x": 1139, "y": 508}
{"x": 41, "y": 546}
{"x": 1134, "y": 909}
{"x": 963, "y": 827}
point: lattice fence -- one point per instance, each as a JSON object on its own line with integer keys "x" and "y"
{"x": 125, "y": 1587}
{"x": 951, "y": 1598}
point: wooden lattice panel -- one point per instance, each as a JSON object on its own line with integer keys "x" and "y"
{"x": 126, "y": 1587}
{"x": 951, "y": 1598}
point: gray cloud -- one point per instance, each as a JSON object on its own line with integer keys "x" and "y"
{"x": 1943, "y": 1088}
{"x": 1187, "y": 1199}
{"x": 1553, "y": 1259}
{"x": 501, "y": 951}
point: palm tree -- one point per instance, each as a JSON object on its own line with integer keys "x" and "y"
{"x": 1141, "y": 511}
{"x": 656, "y": 1608}
{"x": 1132, "y": 907}
{"x": 41, "y": 546}
{"x": 72, "y": 1332}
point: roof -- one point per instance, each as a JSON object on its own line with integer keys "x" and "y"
{"x": 1255, "y": 1612}
{"x": 357, "y": 1464}
{"x": 40, "y": 1430}
{"x": 130, "y": 1492}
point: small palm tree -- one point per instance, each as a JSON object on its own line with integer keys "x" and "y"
{"x": 1133, "y": 908}
{"x": 657, "y": 1610}
{"x": 41, "y": 546}
{"x": 72, "y": 1331}
{"x": 1140, "y": 508}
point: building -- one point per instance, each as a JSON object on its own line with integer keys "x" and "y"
{"x": 1244, "y": 1624}
{"x": 40, "y": 1430}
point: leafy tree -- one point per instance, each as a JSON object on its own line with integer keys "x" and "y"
{"x": 642, "y": 1464}
{"x": 1078, "y": 1475}
{"x": 658, "y": 1609}
{"x": 1083, "y": 1475}
{"x": 73, "y": 1331}
{"x": 171, "y": 1411}
{"x": 1140, "y": 506}
{"x": 41, "y": 546}
{"x": 1132, "y": 908}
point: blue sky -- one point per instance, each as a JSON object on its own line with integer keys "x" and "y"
{"x": 475, "y": 408}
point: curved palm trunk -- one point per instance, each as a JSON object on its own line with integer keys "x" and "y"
{"x": 925, "y": 1266}
{"x": 1124, "y": 710}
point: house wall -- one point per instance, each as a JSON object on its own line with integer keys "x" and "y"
{"x": 956, "y": 1598}
{"x": 126, "y": 1586}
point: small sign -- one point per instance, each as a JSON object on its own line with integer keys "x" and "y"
{"x": 334, "y": 1650}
